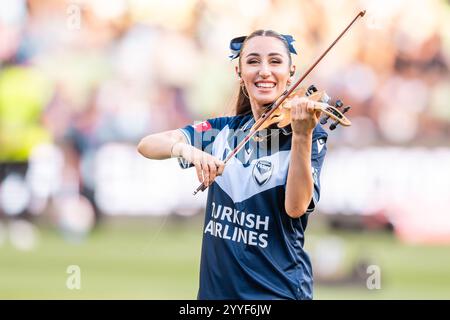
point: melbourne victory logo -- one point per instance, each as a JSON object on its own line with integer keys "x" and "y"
{"x": 262, "y": 171}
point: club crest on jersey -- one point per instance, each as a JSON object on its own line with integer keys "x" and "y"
{"x": 262, "y": 171}
{"x": 320, "y": 145}
{"x": 202, "y": 126}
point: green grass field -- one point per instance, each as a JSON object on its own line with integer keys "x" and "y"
{"x": 160, "y": 260}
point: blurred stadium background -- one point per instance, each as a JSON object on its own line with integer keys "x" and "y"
{"x": 82, "y": 81}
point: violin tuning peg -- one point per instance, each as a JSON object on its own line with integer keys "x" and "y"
{"x": 326, "y": 98}
{"x": 334, "y": 125}
{"x": 338, "y": 104}
{"x": 346, "y": 109}
{"x": 324, "y": 119}
{"x": 311, "y": 89}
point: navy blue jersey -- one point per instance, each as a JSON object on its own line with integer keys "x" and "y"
{"x": 251, "y": 248}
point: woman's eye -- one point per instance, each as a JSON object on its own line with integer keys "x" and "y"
{"x": 276, "y": 61}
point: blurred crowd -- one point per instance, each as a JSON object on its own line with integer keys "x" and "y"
{"x": 80, "y": 74}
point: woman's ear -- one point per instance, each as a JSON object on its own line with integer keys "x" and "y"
{"x": 236, "y": 68}
{"x": 291, "y": 74}
{"x": 292, "y": 70}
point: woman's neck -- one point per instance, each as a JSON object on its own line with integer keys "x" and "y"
{"x": 257, "y": 110}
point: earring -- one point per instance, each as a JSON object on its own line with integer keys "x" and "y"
{"x": 243, "y": 90}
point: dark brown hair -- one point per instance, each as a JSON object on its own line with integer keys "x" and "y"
{"x": 243, "y": 103}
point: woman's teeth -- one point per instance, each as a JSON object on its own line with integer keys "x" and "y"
{"x": 265, "y": 85}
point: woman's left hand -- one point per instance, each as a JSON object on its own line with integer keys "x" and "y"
{"x": 303, "y": 116}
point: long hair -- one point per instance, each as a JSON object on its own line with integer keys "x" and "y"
{"x": 243, "y": 103}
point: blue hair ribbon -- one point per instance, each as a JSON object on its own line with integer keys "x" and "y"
{"x": 236, "y": 45}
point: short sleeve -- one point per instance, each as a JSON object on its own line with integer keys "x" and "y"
{"x": 201, "y": 135}
{"x": 318, "y": 152}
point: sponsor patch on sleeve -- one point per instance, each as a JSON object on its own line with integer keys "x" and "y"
{"x": 202, "y": 126}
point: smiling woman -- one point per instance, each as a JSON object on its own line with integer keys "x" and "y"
{"x": 266, "y": 74}
{"x": 258, "y": 206}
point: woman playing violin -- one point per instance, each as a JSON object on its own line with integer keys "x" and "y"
{"x": 259, "y": 203}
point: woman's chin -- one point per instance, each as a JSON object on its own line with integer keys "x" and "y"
{"x": 265, "y": 100}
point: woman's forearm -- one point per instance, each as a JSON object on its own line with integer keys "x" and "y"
{"x": 168, "y": 144}
{"x": 300, "y": 184}
{"x": 159, "y": 146}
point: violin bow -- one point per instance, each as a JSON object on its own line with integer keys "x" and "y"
{"x": 281, "y": 98}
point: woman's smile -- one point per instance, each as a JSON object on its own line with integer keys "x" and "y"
{"x": 265, "y": 86}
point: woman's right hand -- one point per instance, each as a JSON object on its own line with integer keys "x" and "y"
{"x": 207, "y": 166}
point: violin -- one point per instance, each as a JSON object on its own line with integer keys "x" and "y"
{"x": 279, "y": 111}
{"x": 281, "y": 117}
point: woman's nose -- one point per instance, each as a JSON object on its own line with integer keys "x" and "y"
{"x": 264, "y": 71}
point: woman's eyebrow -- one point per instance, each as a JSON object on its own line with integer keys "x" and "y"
{"x": 257, "y": 54}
